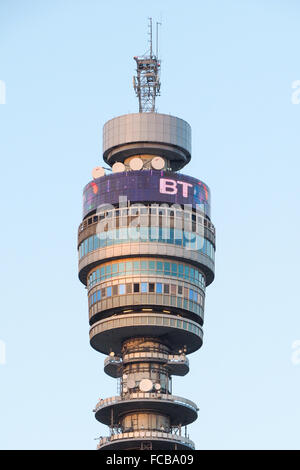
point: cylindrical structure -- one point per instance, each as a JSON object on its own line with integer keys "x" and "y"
{"x": 146, "y": 254}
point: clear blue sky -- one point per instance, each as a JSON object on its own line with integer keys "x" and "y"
{"x": 228, "y": 69}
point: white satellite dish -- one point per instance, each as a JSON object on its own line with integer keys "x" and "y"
{"x": 146, "y": 385}
{"x": 131, "y": 383}
{"x": 125, "y": 389}
{"x": 118, "y": 167}
{"x": 157, "y": 386}
{"x": 157, "y": 163}
{"x": 98, "y": 172}
{"x": 111, "y": 354}
{"x": 125, "y": 376}
{"x": 136, "y": 164}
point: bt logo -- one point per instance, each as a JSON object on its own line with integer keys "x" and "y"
{"x": 167, "y": 186}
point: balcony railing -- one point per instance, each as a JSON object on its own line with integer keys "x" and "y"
{"x": 145, "y": 396}
{"x": 146, "y": 435}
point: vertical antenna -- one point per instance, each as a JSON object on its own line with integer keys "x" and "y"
{"x": 146, "y": 83}
{"x": 157, "y": 24}
{"x": 150, "y": 34}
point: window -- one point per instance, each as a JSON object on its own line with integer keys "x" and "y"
{"x": 128, "y": 288}
{"x": 103, "y": 292}
{"x": 108, "y": 292}
{"x": 121, "y": 267}
{"x": 129, "y": 266}
{"x": 144, "y": 267}
{"x": 152, "y": 265}
{"x": 167, "y": 268}
{"x": 159, "y": 266}
{"x": 136, "y": 288}
{"x": 115, "y": 290}
{"x": 114, "y": 269}
{"x": 122, "y": 289}
{"x": 144, "y": 287}
{"x": 151, "y": 287}
{"x": 180, "y": 290}
{"x": 98, "y": 295}
{"x": 173, "y": 289}
{"x": 159, "y": 288}
{"x": 166, "y": 289}
{"x": 180, "y": 270}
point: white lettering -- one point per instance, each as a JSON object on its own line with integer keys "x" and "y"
{"x": 167, "y": 186}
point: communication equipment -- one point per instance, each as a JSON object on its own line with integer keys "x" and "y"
{"x": 146, "y": 385}
{"x": 98, "y": 172}
{"x": 136, "y": 164}
{"x": 157, "y": 163}
{"x": 131, "y": 383}
{"x": 118, "y": 167}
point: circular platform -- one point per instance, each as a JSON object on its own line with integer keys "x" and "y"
{"x": 180, "y": 410}
{"x": 108, "y": 334}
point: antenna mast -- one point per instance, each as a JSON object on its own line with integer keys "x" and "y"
{"x": 146, "y": 83}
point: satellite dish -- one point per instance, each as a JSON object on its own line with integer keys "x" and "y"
{"x": 131, "y": 383}
{"x": 118, "y": 167}
{"x": 136, "y": 164}
{"x": 157, "y": 386}
{"x": 157, "y": 163}
{"x": 111, "y": 354}
{"x": 125, "y": 389}
{"x": 146, "y": 385}
{"x": 125, "y": 376}
{"x": 98, "y": 172}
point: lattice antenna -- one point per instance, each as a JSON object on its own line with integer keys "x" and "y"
{"x": 146, "y": 83}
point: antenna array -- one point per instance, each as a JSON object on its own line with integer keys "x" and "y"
{"x": 146, "y": 83}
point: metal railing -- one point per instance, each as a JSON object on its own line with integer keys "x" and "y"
{"x": 145, "y": 396}
{"x": 146, "y": 435}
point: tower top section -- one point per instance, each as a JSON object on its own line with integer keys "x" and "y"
{"x": 146, "y": 82}
{"x": 147, "y": 133}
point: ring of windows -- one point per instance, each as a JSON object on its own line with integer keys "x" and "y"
{"x": 146, "y": 267}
